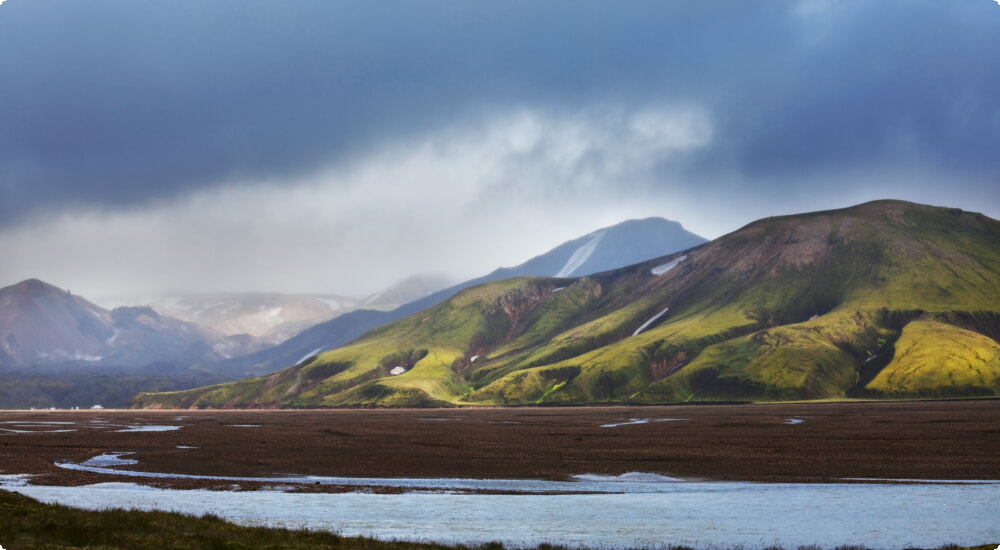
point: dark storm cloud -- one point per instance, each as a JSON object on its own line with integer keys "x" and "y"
{"x": 211, "y": 144}
{"x": 122, "y": 101}
{"x": 889, "y": 82}
{"x": 119, "y": 102}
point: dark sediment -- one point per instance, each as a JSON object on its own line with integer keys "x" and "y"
{"x": 946, "y": 440}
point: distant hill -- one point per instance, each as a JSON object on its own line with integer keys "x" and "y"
{"x": 885, "y": 299}
{"x": 612, "y": 247}
{"x": 42, "y": 325}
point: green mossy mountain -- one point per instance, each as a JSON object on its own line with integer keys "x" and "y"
{"x": 887, "y": 299}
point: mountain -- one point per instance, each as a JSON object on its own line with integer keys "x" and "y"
{"x": 885, "y": 299}
{"x": 59, "y": 349}
{"x": 42, "y": 325}
{"x": 612, "y": 247}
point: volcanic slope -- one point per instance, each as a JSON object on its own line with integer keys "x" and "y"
{"x": 885, "y": 299}
{"x": 611, "y": 247}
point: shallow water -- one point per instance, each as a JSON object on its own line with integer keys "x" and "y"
{"x": 703, "y": 515}
{"x": 634, "y": 421}
{"x": 148, "y": 428}
{"x": 28, "y": 427}
{"x": 626, "y": 483}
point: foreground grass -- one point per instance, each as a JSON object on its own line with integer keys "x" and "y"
{"x": 27, "y": 523}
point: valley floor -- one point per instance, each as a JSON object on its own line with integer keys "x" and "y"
{"x": 942, "y": 440}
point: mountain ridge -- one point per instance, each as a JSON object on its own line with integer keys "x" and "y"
{"x": 820, "y": 305}
{"x": 625, "y": 243}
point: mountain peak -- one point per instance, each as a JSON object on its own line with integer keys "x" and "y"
{"x": 34, "y": 286}
{"x": 625, "y": 243}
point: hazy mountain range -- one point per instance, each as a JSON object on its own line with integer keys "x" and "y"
{"x": 886, "y": 299}
{"x": 270, "y": 318}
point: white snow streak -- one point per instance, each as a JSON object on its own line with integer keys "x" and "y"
{"x": 650, "y": 321}
{"x": 580, "y": 256}
{"x": 310, "y": 354}
{"x": 661, "y": 269}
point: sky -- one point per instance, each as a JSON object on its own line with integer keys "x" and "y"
{"x": 340, "y": 147}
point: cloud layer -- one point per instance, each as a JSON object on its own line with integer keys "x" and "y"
{"x": 340, "y": 147}
{"x": 491, "y": 193}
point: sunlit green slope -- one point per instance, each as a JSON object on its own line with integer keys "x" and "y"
{"x": 886, "y": 299}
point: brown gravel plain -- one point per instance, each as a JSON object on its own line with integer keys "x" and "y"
{"x": 947, "y": 440}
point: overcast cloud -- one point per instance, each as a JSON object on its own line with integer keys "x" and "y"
{"x": 342, "y": 146}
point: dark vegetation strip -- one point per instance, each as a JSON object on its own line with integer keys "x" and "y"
{"x": 27, "y": 523}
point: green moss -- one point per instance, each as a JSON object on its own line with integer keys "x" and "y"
{"x": 936, "y": 358}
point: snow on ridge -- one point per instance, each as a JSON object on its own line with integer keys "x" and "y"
{"x": 580, "y": 256}
{"x": 661, "y": 269}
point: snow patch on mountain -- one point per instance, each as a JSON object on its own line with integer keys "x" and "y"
{"x": 661, "y": 269}
{"x": 651, "y": 320}
{"x": 580, "y": 256}
{"x": 310, "y": 354}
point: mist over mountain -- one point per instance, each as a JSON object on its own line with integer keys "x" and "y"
{"x": 408, "y": 290}
{"x": 269, "y": 317}
{"x": 885, "y": 299}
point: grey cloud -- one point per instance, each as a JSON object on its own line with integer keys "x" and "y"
{"x": 462, "y": 201}
{"x": 118, "y": 102}
{"x": 896, "y": 83}
{"x": 127, "y": 107}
